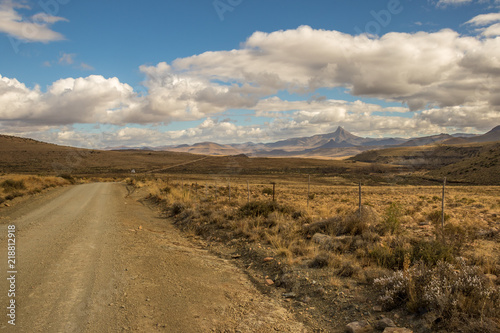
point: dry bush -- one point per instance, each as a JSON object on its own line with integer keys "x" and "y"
{"x": 13, "y": 186}
{"x": 263, "y": 208}
{"x": 456, "y": 295}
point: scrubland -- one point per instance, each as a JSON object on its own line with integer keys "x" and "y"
{"x": 393, "y": 256}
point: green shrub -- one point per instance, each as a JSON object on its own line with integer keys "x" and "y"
{"x": 268, "y": 191}
{"x": 391, "y": 222}
{"x": 436, "y": 217}
{"x": 391, "y": 258}
{"x": 263, "y": 208}
{"x": 431, "y": 252}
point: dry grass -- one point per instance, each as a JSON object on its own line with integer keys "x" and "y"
{"x": 13, "y": 186}
{"x": 399, "y": 226}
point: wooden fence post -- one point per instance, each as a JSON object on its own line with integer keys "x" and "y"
{"x": 359, "y": 199}
{"x": 229, "y": 190}
{"x": 308, "y": 190}
{"x": 442, "y": 205}
{"x": 248, "y": 191}
{"x": 274, "y": 191}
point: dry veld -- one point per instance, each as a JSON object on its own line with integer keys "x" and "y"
{"x": 296, "y": 229}
{"x": 314, "y": 231}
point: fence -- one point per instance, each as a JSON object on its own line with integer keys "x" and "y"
{"x": 319, "y": 200}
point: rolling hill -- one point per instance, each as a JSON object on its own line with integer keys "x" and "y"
{"x": 27, "y": 156}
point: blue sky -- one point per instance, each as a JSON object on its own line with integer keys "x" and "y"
{"x": 112, "y": 73}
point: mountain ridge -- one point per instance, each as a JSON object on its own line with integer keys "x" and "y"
{"x": 338, "y": 144}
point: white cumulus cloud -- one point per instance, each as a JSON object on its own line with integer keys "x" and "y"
{"x": 33, "y": 29}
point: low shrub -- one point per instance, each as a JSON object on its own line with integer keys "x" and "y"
{"x": 68, "y": 177}
{"x": 10, "y": 185}
{"x": 432, "y": 252}
{"x": 457, "y": 295}
{"x": 356, "y": 223}
{"x": 13, "y": 195}
{"x": 391, "y": 222}
{"x": 268, "y": 191}
{"x": 392, "y": 256}
{"x": 263, "y": 208}
{"x": 177, "y": 208}
{"x": 436, "y": 217}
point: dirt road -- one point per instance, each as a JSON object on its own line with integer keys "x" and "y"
{"x": 90, "y": 259}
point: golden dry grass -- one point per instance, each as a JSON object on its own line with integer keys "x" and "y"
{"x": 399, "y": 230}
{"x": 13, "y": 186}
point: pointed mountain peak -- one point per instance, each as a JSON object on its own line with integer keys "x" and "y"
{"x": 341, "y": 135}
{"x": 340, "y": 130}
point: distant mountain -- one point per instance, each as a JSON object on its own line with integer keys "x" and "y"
{"x": 340, "y": 143}
{"x": 385, "y": 142}
{"x": 426, "y": 140}
{"x": 316, "y": 141}
{"x": 336, "y": 144}
{"x": 464, "y": 135}
{"x": 493, "y": 135}
{"x": 206, "y": 148}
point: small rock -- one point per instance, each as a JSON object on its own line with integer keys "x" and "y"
{"x": 377, "y": 308}
{"x": 268, "y": 259}
{"x": 359, "y": 327}
{"x": 397, "y": 330}
{"x": 289, "y": 295}
{"x": 269, "y": 282}
{"x": 320, "y": 238}
{"x": 235, "y": 256}
{"x": 384, "y": 323}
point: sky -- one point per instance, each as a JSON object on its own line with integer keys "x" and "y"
{"x": 115, "y": 73}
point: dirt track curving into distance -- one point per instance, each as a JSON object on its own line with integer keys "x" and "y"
{"x": 90, "y": 259}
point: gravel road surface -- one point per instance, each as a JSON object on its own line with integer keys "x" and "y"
{"x": 89, "y": 258}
